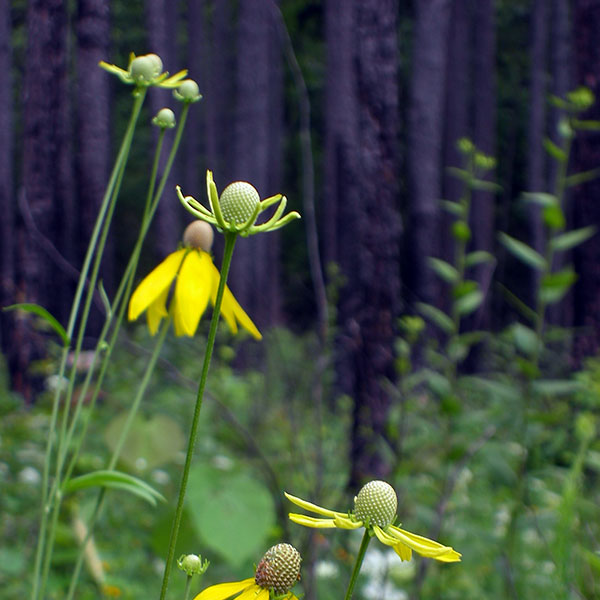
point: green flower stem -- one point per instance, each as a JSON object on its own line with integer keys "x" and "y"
{"x": 188, "y": 587}
{"x": 47, "y": 495}
{"x": 358, "y": 564}
{"x": 230, "y": 239}
{"x": 117, "y": 453}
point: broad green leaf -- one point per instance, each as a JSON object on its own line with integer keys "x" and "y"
{"x": 478, "y": 257}
{"x": 555, "y": 151}
{"x": 582, "y": 177}
{"x": 436, "y": 316}
{"x": 485, "y": 186}
{"x": 40, "y": 311}
{"x": 232, "y": 512}
{"x": 557, "y": 387}
{"x": 469, "y": 303}
{"x": 525, "y": 339}
{"x": 569, "y": 240}
{"x": 115, "y": 480}
{"x": 540, "y": 198}
{"x": 454, "y": 208}
{"x": 464, "y": 287}
{"x": 444, "y": 270}
{"x": 554, "y": 217}
{"x": 523, "y": 252}
{"x": 555, "y": 285}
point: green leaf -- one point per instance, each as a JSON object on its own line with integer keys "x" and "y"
{"x": 557, "y": 387}
{"x": 114, "y": 480}
{"x": 486, "y": 186}
{"x": 586, "y": 125}
{"x": 454, "y": 208}
{"x": 555, "y": 151}
{"x": 478, "y": 257}
{"x": 523, "y": 252}
{"x": 469, "y": 303}
{"x": 439, "y": 384}
{"x": 540, "y": 198}
{"x": 232, "y": 512}
{"x": 464, "y": 287}
{"x": 568, "y": 240}
{"x": 582, "y": 177}
{"x": 40, "y": 311}
{"x": 525, "y": 339}
{"x": 555, "y": 285}
{"x": 554, "y": 217}
{"x": 105, "y": 300}
{"x": 460, "y": 174}
{"x": 444, "y": 270}
{"x": 436, "y": 316}
{"x": 525, "y": 310}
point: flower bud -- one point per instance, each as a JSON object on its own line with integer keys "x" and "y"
{"x": 157, "y": 62}
{"x": 376, "y": 503}
{"x": 278, "y": 569}
{"x": 238, "y": 202}
{"x": 188, "y": 91}
{"x": 165, "y": 118}
{"x": 191, "y": 564}
{"x": 199, "y": 234}
{"x": 143, "y": 68}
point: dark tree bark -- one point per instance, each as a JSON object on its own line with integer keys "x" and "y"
{"x": 425, "y": 128}
{"x": 362, "y": 166}
{"x": 46, "y": 196}
{"x": 93, "y": 125}
{"x": 484, "y": 137}
{"x": 161, "y": 19}
{"x": 7, "y": 195}
{"x": 585, "y": 197}
{"x": 257, "y": 147}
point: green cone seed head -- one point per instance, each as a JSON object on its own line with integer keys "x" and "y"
{"x": 199, "y": 234}
{"x": 238, "y": 201}
{"x": 376, "y": 502}
{"x": 279, "y": 569}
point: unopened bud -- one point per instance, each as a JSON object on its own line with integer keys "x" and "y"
{"x": 165, "y": 118}
{"x": 188, "y": 91}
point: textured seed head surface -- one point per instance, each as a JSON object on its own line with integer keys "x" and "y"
{"x": 376, "y": 502}
{"x": 238, "y": 201}
{"x": 279, "y": 569}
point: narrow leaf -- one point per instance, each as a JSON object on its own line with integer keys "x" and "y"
{"x": 444, "y": 270}
{"x": 469, "y": 303}
{"x": 478, "y": 257}
{"x": 115, "y": 480}
{"x": 454, "y": 208}
{"x": 40, "y": 311}
{"x": 555, "y": 151}
{"x": 460, "y": 174}
{"x": 436, "y": 316}
{"x": 540, "y": 198}
{"x": 582, "y": 177}
{"x": 586, "y": 125}
{"x": 571, "y": 239}
{"x": 557, "y": 387}
{"x": 105, "y": 300}
{"x": 523, "y": 252}
{"x": 555, "y": 285}
{"x": 486, "y": 186}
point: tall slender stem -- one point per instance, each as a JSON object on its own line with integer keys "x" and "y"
{"x": 358, "y": 564}
{"x": 230, "y": 239}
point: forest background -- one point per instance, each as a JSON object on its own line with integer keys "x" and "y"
{"x": 353, "y": 109}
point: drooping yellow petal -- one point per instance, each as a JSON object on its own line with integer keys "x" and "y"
{"x": 346, "y": 522}
{"x": 254, "y": 592}
{"x": 222, "y": 591}
{"x": 231, "y": 309}
{"x": 312, "y": 507}
{"x": 311, "y": 521}
{"x": 157, "y": 311}
{"x": 404, "y": 552}
{"x": 192, "y": 290}
{"x": 423, "y": 545}
{"x": 153, "y": 286}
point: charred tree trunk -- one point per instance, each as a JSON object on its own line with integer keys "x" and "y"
{"x": 257, "y": 147}
{"x": 587, "y": 156}
{"x": 425, "y": 128}
{"x": 46, "y": 196}
{"x": 362, "y": 163}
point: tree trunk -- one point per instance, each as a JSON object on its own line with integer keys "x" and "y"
{"x": 7, "y": 196}
{"x": 161, "y": 18}
{"x": 425, "y": 128}
{"x": 93, "y": 127}
{"x": 257, "y": 147}
{"x": 362, "y": 166}
{"x": 585, "y": 197}
{"x": 484, "y": 136}
{"x": 537, "y": 177}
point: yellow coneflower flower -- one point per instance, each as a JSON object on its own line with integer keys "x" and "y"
{"x": 196, "y": 281}
{"x": 375, "y": 509}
